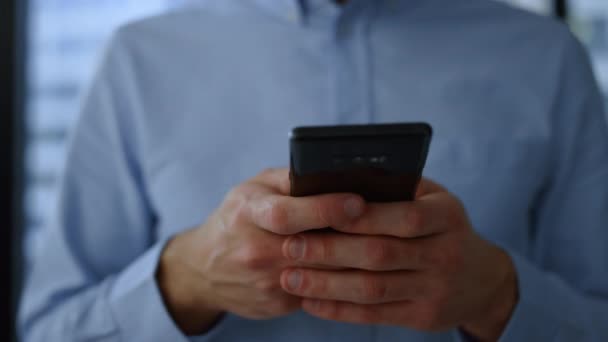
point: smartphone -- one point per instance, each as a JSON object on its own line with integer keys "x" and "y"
{"x": 381, "y": 162}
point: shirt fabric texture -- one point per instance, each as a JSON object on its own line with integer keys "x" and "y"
{"x": 189, "y": 104}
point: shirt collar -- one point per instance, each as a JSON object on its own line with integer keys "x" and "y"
{"x": 292, "y": 10}
{"x": 298, "y": 10}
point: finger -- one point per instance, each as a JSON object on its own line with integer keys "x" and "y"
{"x": 427, "y": 186}
{"x": 274, "y": 178}
{"x": 396, "y": 313}
{"x": 287, "y": 215}
{"x": 427, "y": 216}
{"x": 373, "y": 253}
{"x": 354, "y": 286}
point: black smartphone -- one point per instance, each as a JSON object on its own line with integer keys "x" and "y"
{"x": 382, "y": 163}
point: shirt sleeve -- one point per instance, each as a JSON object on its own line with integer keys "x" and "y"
{"x": 95, "y": 276}
{"x": 563, "y": 281}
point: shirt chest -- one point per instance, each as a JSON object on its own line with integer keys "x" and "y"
{"x": 496, "y": 177}
{"x": 232, "y": 120}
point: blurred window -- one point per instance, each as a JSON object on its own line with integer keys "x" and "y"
{"x": 589, "y": 19}
{"x": 540, "y": 6}
{"x": 64, "y": 44}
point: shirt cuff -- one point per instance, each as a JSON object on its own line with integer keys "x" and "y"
{"x": 542, "y": 310}
{"x": 137, "y": 304}
{"x": 138, "y": 307}
{"x": 223, "y": 330}
{"x": 460, "y": 336}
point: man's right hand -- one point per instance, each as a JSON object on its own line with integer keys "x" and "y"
{"x": 232, "y": 263}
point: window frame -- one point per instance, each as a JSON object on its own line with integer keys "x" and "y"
{"x": 12, "y": 45}
{"x": 560, "y": 8}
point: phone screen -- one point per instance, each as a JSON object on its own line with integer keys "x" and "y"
{"x": 382, "y": 163}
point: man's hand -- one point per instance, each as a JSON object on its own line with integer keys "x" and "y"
{"x": 233, "y": 263}
{"x": 417, "y": 264}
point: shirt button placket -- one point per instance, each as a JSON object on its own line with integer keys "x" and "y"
{"x": 349, "y": 68}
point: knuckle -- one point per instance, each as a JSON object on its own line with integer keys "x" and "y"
{"x": 323, "y": 250}
{"x": 322, "y": 213}
{"x": 267, "y": 172}
{"x": 373, "y": 290}
{"x": 378, "y": 254}
{"x": 277, "y": 215}
{"x": 266, "y": 285}
{"x": 237, "y": 206}
{"x": 314, "y": 286}
{"x": 241, "y": 212}
{"x": 235, "y": 197}
{"x": 414, "y": 220}
{"x": 253, "y": 257}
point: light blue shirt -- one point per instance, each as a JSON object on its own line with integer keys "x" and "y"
{"x": 189, "y": 104}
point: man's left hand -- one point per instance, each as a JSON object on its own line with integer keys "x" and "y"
{"x": 415, "y": 264}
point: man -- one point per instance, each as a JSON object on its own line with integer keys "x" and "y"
{"x": 161, "y": 237}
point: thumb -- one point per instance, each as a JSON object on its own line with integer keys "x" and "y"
{"x": 427, "y": 187}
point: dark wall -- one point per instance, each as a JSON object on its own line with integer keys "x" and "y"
{"x": 561, "y": 8}
{"x": 10, "y": 129}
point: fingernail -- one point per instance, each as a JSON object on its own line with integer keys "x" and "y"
{"x": 296, "y": 247}
{"x": 294, "y": 279}
{"x": 353, "y": 207}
